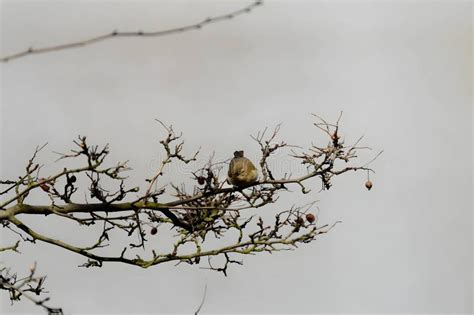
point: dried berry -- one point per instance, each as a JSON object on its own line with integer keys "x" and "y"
{"x": 201, "y": 180}
{"x": 72, "y": 179}
{"x": 44, "y": 185}
{"x": 299, "y": 221}
{"x": 153, "y": 231}
{"x": 310, "y": 217}
{"x": 368, "y": 185}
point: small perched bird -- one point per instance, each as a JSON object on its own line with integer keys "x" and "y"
{"x": 242, "y": 172}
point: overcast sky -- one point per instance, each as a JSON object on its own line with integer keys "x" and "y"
{"x": 400, "y": 70}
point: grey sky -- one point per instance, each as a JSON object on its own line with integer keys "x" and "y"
{"x": 400, "y": 70}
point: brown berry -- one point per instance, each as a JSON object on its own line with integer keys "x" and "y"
{"x": 310, "y": 217}
{"x": 368, "y": 185}
{"x": 44, "y": 186}
{"x": 201, "y": 180}
{"x": 299, "y": 221}
{"x": 153, "y": 231}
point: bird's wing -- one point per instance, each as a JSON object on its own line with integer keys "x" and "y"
{"x": 236, "y": 167}
{"x": 249, "y": 165}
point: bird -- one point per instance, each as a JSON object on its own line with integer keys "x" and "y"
{"x": 241, "y": 172}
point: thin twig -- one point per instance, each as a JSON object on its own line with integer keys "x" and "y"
{"x": 115, "y": 34}
{"x": 202, "y": 301}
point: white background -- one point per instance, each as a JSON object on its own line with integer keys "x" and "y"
{"x": 400, "y": 70}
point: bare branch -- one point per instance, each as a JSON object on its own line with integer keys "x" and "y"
{"x": 139, "y": 33}
{"x": 211, "y": 207}
{"x": 27, "y": 287}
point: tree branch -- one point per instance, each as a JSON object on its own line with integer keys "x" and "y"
{"x": 117, "y": 34}
{"x": 210, "y": 208}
